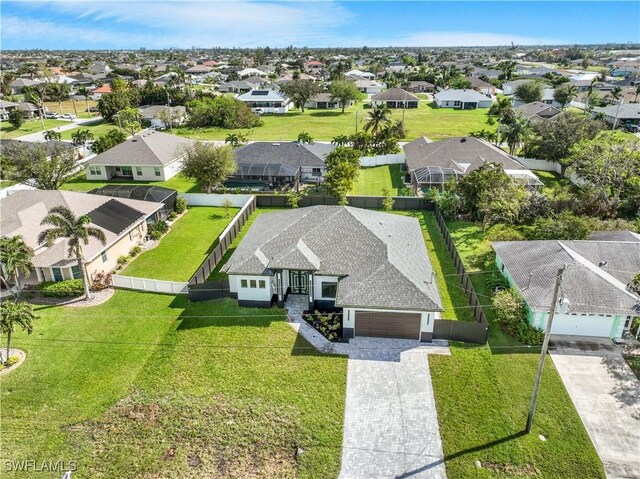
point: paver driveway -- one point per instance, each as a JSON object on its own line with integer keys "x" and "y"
{"x": 391, "y": 425}
{"x": 606, "y": 394}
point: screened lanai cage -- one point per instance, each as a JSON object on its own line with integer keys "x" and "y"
{"x": 437, "y": 176}
{"x": 158, "y": 194}
{"x": 265, "y": 176}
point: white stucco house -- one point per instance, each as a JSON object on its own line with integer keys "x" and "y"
{"x": 371, "y": 266}
{"x": 462, "y": 99}
{"x": 147, "y": 156}
{"x": 266, "y": 101}
{"x": 596, "y": 297}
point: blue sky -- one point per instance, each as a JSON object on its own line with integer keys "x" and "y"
{"x": 77, "y": 24}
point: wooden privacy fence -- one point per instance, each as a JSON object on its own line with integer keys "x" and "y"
{"x": 465, "y": 331}
{"x": 150, "y": 285}
{"x": 368, "y": 202}
{"x": 472, "y": 297}
{"x": 224, "y": 241}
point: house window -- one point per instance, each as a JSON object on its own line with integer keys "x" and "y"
{"x": 243, "y": 283}
{"x": 94, "y": 170}
{"x": 75, "y": 272}
{"x": 138, "y": 170}
{"x": 262, "y": 284}
{"x": 329, "y": 290}
{"x": 157, "y": 171}
{"x": 57, "y": 274}
{"x": 103, "y": 255}
{"x": 252, "y": 283}
{"x": 316, "y": 172}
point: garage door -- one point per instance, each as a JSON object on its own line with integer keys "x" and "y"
{"x": 582, "y": 325}
{"x": 388, "y": 325}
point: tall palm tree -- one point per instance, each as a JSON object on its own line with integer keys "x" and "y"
{"x": 37, "y": 94}
{"x": 83, "y": 91}
{"x": 637, "y": 92}
{"x": 379, "y": 117}
{"x": 59, "y": 92}
{"x": 516, "y": 132}
{"x": 67, "y": 225}
{"x": 503, "y": 110}
{"x": 15, "y": 314}
{"x": 616, "y": 93}
{"x": 15, "y": 257}
{"x": 51, "y": 135}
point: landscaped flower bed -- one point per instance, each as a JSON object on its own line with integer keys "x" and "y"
{"x": 329, "y": 324}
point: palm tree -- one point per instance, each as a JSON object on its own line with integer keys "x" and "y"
{"x": 379, "y": 117}
{"x": 340, "y": 140}
{"x": 84, "y": 91}
{"x": 15, "y": 314}
{"x": 59, "y": 92}
{"x": 516, "y": 132}
{"x": 37, "y": 94}
{"x": 502, "y": 109}
{"x": 51, "y": 135}
{"x": 67, "y": 225}
{"x": 616, "y": 93}
{"x": 15, "y": 257}
{"x": 637, "y": 92}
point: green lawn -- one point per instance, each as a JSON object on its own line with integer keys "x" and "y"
{"x": 184, "y": 248}
{"x": 483, "y": 393}
{"x": 98, "y": 129}
{"x": 436, "y": 123}
{"x": 374, "y": 180}
{"x": 153, "y": 386}
{"x": 30, "y": 126}
{"x": 75, "y": 107}
{"x": 178, "y": 183}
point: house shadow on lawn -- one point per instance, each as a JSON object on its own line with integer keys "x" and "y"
{"x": 224, "y": 313}
{"x": 322, "y": 114}
{"x": 302, "y": 347}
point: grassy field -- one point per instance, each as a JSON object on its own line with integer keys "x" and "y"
{"x": 178, "y": 183}
{"x": 184, "y": 248}
{"x": 98, "y": 129}
{"x": 152, "y": 384}
{"x": 436, "y": 123}
{"x": 80, "y": 109}
{"x": 30, "y": 126}
{"x": 482, "y": 397}
{"x": 374, "y": 180}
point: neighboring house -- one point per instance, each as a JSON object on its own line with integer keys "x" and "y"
{"x": 537, "y": 111}
{"x": 266, "y": 101}
{"x": 372, "y": 265}
{"x": 509, "y": 88}
{"x": 7, "y": 107}
{"x": 595, "y": 299}
{"x": 462, "y": 99}
{"x": 323, "y": 101}
{"x": 249, "y": 72}
{"x": 396, "y": 98}
{"x": 98, "y": 67}
{"x": 290, "y": 77}
{"x": 314, "y": 67}
{"x": 238, "y": 86}
{"x": 359, "y": 74}
{"x": 481, "y": 86}
{"x": 97, "y": 93}
{"x": 420, "y": 87}
{"x": 29, "y": 110}
{"x": 156, "y": 114}
{"x": 275, "y": 165}
{"x": 369, "y": 86}
{"x": 198, "y": 70}
{"x": 18, "y": 84}
{"x": 431, "y": 164}
{"x": 157, "y": 194}
{"x": 486, "y": 72}
{"x": 123, "y": 221}
{"x": 148, "y": 156}
{"x": 616, "y": 114}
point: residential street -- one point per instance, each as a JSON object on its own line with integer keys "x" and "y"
{"x": 606, "y": 394}
{"x": 391, "y": 425}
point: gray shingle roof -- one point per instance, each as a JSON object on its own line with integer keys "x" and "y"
{"x": 394, "y": 94}
{"x": 537, "y": 109}
{"x": 380, "y": 257}
{"x": 461, "y": 95}
{"x": 148, "y": 148}
{"x": 589, "y": 288}
{"x": 286, "y": 153}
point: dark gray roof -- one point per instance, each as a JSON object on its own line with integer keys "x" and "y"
{"x": 464, "y": 154}
{"x": 394, "y": 94}
{"x": 148, "y": 148}
{"x": 626, "y": 111}
{"x": 590, "y": 288}
{"x": 614, "y": 236}
{"x": 286, "y": 153}
{"x": 380, "y": 258}
{"x": 537, "y": 109}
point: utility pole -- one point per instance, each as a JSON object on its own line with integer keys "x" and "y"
{"x": 545, "y": 345}
{"x": 356, "y": 121}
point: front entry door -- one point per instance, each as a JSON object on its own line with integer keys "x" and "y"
{"x": 299, "y": 282}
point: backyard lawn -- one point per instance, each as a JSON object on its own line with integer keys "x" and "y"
{"x": 436, "y": 123}
{"x": 178, "y": 183}
{"x": 184, "y": 248}
{"x": 374, "y": 180}
{"x": 30, "y": 126}
{"x": 482, "y": 397}
{"x": 98, "y": 129}
{"x": 166, "y": 388}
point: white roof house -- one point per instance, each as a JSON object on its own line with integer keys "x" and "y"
{"x": 266, "y": 101}
{"x": 462, "y": 99}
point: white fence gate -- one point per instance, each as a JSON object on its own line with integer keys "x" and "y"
{"x": 150, "y": 285}
{"x": 382, "y": 160}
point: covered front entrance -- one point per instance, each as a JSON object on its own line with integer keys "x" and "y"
{"x": 387, "y": 324}
{"x": 299, "y": 282}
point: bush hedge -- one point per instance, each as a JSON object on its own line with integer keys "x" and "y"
{"x": 511, "y": 313}
{"x": 62, "y": 289}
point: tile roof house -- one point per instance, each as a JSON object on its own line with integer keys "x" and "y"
{"x": 396, "y": 98}
{"x": 123, "y": 221}
{"x": 147, "y": 156}
{"x": 371, "y": 264}
{"x": 595, "y": 296}
{"x": 431, "y": 164}
{"x": 276, "y": 164}
{"x": 462, "y": 99}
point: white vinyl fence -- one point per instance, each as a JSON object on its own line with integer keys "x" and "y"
{"x": 150, "y": 285}
{"x": 382, "y": 160}
{"x": 213, "y": 199}
{"x": 545, "y": 165}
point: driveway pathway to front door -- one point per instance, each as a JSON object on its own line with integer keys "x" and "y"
{"x": 391, "y": 426}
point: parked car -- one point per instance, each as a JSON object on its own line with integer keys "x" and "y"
{"x": 51, "y": 115}
{"x": 631, "y": 128}
{"x": 68, "y": 116}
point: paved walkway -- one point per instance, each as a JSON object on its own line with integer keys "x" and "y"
{"x": 606, "y": 395}
{"x": 391, "y": 425}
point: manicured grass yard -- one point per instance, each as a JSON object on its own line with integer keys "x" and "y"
{"x": 68, "y": 107}
{"x": 184, "y": 248}
{"x": 436, "y": 123}
{"x": 98, "y": 129}
{"x": 178, "y": 183}
{"x": 152, "y": 386}
{"x": 482, "y": 397}
{"x": 29, "y": 126}
{"x": 374, "y": 180}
